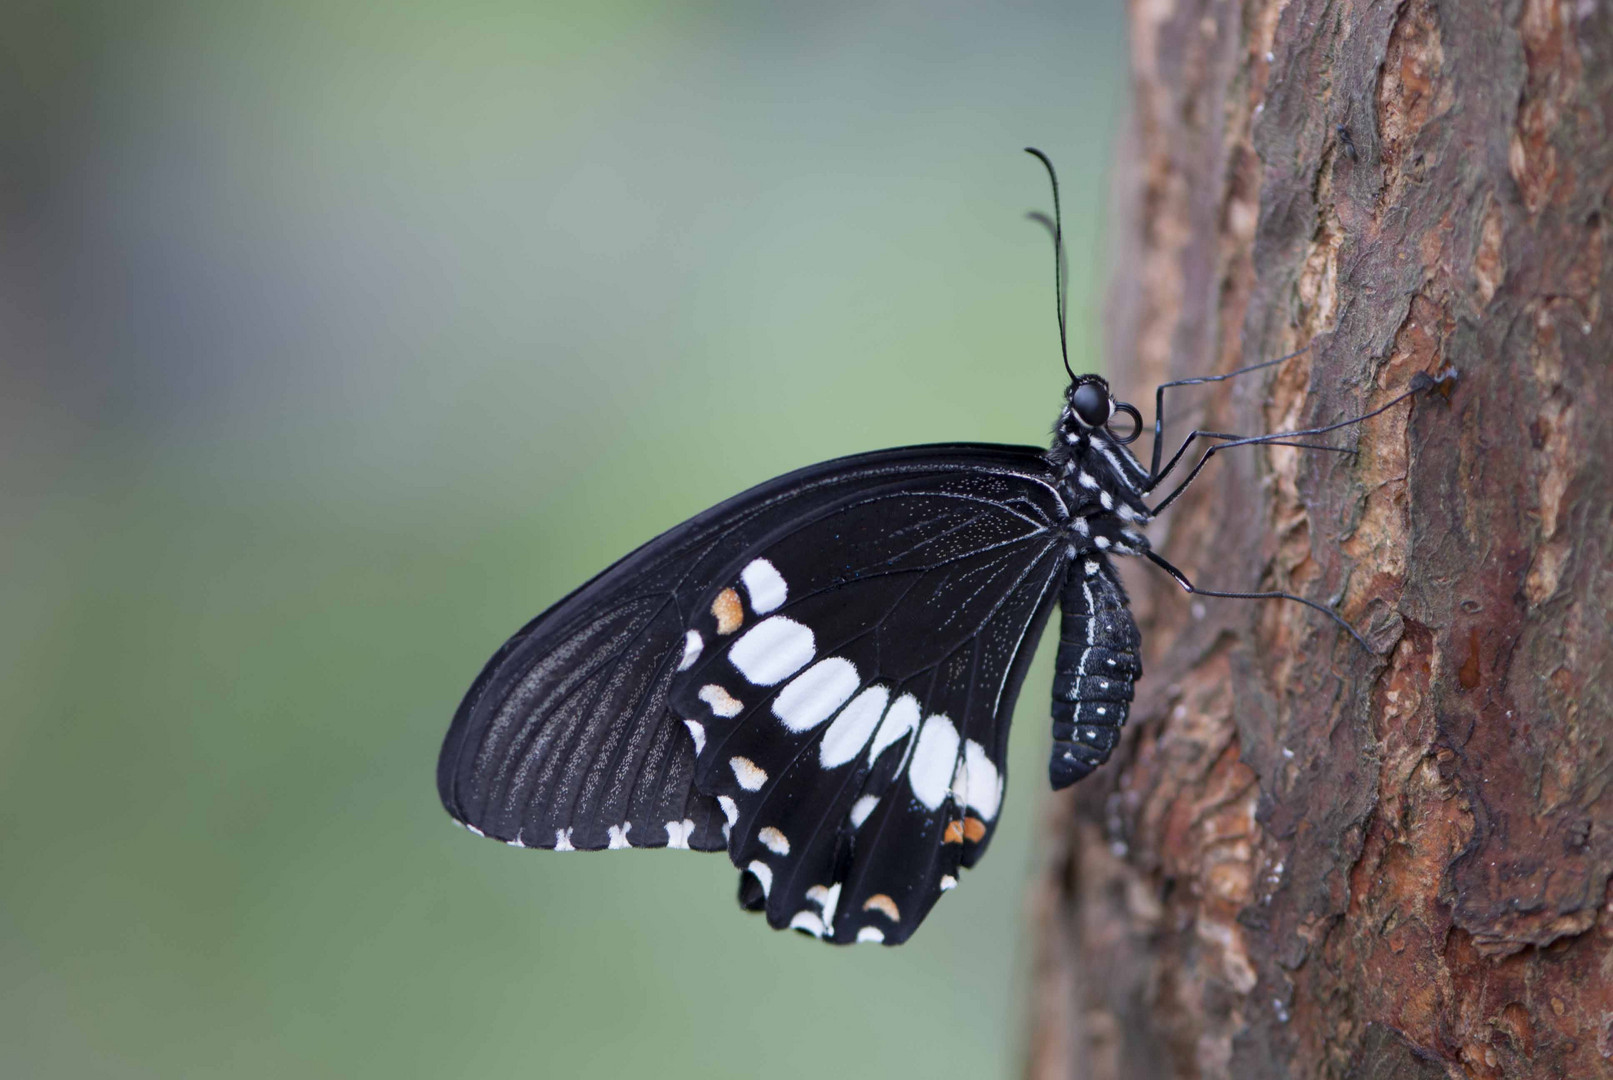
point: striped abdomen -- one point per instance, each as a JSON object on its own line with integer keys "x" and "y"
{"x": 1096, "y": 666}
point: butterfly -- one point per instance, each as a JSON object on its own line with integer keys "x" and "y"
{"x": 817, "y": 675}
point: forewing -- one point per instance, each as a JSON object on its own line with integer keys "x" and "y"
{"x": 566, "y": 740}
{"x": 856, "y": 675}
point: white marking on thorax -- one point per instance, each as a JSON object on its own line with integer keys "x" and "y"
{"x": 773, "y": 650}
{"x": 1123, "y": 474}
{"x": 814, "y": 695}
{"x": 765, "y": 586}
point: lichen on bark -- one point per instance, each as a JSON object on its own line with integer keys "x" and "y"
{"x": 1308, "y": 859}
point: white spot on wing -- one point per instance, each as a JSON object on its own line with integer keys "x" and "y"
{"x": 692, "y": 644}
{"x": 849, "y": 733}
{"x": 902, "y": 718}
{"x": 722, "y": 703}
{"x": 678, "y": 832}
{"x": 948, "y": 882}
{"x": 808, "y": 921}
{"x": 828, "y": 899}
{"x": 773, "y": 650}
{"x": 765, "y": 585}
{"x": 764, "y": 874}
{"x": 730, "y": 809}
{"x": 514, "y": 843}
{"x": 697, "y": 730}
{"x": 751, "y": 776}
{"x": 871, "y": 934}
{"x": 983, "y": 786}
{"x": 562, "y": 840}
{"x": 618, "y": 835}
{"x": 929, "y": 773}
{"x": 861, "y": 809}
{"x": 774, "y": 840}
{"x": 814, "y": 695}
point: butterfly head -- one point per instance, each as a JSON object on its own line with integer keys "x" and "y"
{"x": 1089, "y": 406}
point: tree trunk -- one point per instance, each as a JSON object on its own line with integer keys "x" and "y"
{"x": 1310, "y": 859}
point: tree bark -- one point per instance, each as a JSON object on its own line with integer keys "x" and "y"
{"x": 1310, "y": 859}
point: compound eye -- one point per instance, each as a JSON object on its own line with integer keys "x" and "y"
{"x": 1091, "y": 404}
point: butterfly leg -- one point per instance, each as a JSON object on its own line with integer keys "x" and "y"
{"x": 1181, "y": 579}
{"x": 1274, "y": 439}
{"x": 1159, "y": 407}
{"x": 1282, "y": 438}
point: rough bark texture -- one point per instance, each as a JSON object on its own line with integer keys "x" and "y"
{"x": 1309, "y": 859}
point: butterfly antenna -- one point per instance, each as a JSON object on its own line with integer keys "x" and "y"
{"x": 1058, "y": 257}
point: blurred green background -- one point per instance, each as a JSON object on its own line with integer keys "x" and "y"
{"x": 336, "y": 341}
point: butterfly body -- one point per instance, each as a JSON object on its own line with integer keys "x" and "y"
{"x": 1098, "y": 658}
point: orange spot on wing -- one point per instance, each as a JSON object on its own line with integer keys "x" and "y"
{"x": 728, "y": 612}
{"x": 884, "y": 905}
{"x": 974, "y": 830}
{"x": 953, "y": 834}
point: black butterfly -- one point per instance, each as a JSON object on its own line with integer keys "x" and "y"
{"x": 817, "y": 676}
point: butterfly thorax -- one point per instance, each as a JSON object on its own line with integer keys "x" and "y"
{"x": 1102, "y": 483}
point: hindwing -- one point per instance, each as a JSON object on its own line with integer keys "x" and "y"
{"x": 850, "y": 682}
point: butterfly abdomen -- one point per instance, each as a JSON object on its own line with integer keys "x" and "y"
{"x": 1096, "y": 667}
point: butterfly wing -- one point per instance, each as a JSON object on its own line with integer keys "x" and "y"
{"x": 929, "y": 569}
{"x": 855, "y": 678}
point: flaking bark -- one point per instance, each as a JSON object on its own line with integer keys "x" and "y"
{"x": 1307, "y": 859}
